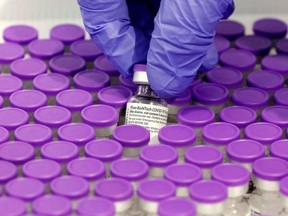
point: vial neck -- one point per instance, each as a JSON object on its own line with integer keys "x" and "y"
{"x": 146, "y": 91}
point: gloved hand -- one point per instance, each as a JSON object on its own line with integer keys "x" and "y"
{"x": 181, "y": 40}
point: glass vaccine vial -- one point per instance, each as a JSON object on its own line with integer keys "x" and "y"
{"x": 146, "y": 108}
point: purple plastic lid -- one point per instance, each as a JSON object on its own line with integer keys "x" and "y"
{"x": 183, "y": 174}
{"x": 67, "y": 64}
{"x": 176, "y": 207}
{"x": 67, "y": 33}
{"x": 240, "y": 116}
{"x": 91, "y": 80}
{"x": 263, "y": 132}
{"x": 208, "y": 191}
{"x": 74, "y": 99}
{"x": 128, "y": 83}
{"x": 279, "y": 149}
{"x": 87, "y": 49}
{"x": 9, "y": 84}
{"x": 245, "y": 151}
{"x": 284, "y": 186}
{"x": 26, "y": 189}
{"x": 114, "y": 189}
{"x": 270, "y": 168}
{"x": 1, "y": 102}
{"x": 17, "y": 152}
{"x": 88, "y": 168}
{"x": 105, "y": 150}
{"x": 45, "y": 49}
{"x": 140, "y": 67}
{"x": 228, "y": 77}
{"x": 130, "y": 135}
{"x": 60, "y": 151}
{"x": 282, "y": 46}
{"x": 221, "y": 43}
{"x": 100, "y": 115}
{"x": 156, "y": 189}
{"x": 280, "y": 97}
{"x": 197, "y": 79}
{"x": 251, "y": 97}
{"x": 8, "y": 171}
{"x": 12, "y": 206}
{"x": 28, "y": 99}
{"x": 129, "y": 169}
{"x": 277, "y": 63}
{"x": 52, "y": 205}
{"x": 195, "y": 116}
{"x": 210, "y": 93}
{"x": 184, "y": 99}
{"x": 20, "y": 117}
{"x": 177, "y": 135}
{"x": 42, "y": 169}
{"x": 271, "y": 28}
{"x": 28, "y": 69}
{"x": 115, "y": 96}
{"x": 231, "y": 174}
{"x": 96, "y": 206}
{"x": 277, "y": 115}
{"x": 51, "y": 84}
{"x": 10, "y": 52}
{"x": 204, "y": 156}
{"x": 35, "y": 134}
{"x": 159, "y": 155}
{"x": 220, "y": 133}
{"x": 21, "y": 34}
{"x": 77, "y": 133}
{"x": 230, "y": 29}
{"x": 4, "y": 135}
{"x": 102, "y": 63}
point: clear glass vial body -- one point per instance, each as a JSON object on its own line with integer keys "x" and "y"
{"x": 236, "y": 207}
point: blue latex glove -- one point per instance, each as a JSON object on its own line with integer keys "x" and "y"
{"x": 181, "y": 41}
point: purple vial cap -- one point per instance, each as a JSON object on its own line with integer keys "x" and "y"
{"x": 280, "y": 97}
{"x": 67, "y": 64}
{"x": 114, "y": 189}
{"x": 105, "y": 150}
{"x": 102, "y": 63}
{"x": 277, "y": 63}
{"x": 60, "y": 151}
{"x": 277, "y": 115}
{"x": 35, "y": 134}
{"x": 115, "y": 96}
{"x": 210, "y": 93}
{"x": 10, "y": 52}
{"x": 8, "y": 171}
{"x": 67, "y": 33}
{"x": 9, "y": 84}
{"x": 21, "y": 34}
{"x": 77, "y": 133}
{"x": 184, "y": 99}
{"x": 42, "y": 169}
{"x": 263, "y": 132}
{"x": 27, "y": 189}
{"x": 1, "y": 102}
{"x": 52, "y": 116}
{"x": 183, "y": 174}
{"x": 159, "y": 155}
{"x": 51, "y": 84}
{"x": 128, "y": 83}
{"x": 12, "y": 206}
{"x": 239, "y": 59}
{"x": 129, "y": 169}
{"x": 177, "y": 135}
{"x": 130, "y": 135}
{"x": 4, "y": 135}
{"x": 52, "y": 205}
{"x": 204, "y": 156}
{"x": 230, "y": 29}
{"x": 239, "y": 116}
{"x": 91, "y": 80}
{"x": 271, "y": 28}
{"x": 251, "y": 97}
{"x": 156, "y": 189}
{"x": 176, "y": 206}
{"x": 270, "y": 168}
{"x": 208, "y": 191}
{"x": 245, "y": 151}
{"x": 29, "y": 100}
{"x": 17, "y": 152}
{"x": 279, "y": 149}
{"x": 96, "y": 206}
{"x": 74, "y": 99}
{"x": 20, "y": 117}
{"x": 88, "y": 168}
{"x": 231, "y": 174}
{"x": 45, "y": 49}
{"x": 87, "y": 49}
{"x": 197, "y": 80}
{"x": 228, "y": 77}
{"x": 140, "y": 67}
{"x": 28, "y": 69}
{"x": 221, "y": 43}
{"x": 282, "y": 46}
